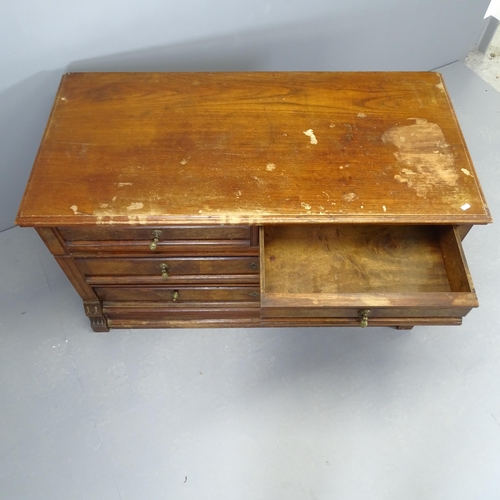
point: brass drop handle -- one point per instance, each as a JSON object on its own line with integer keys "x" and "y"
{"x": 175, "y": 295}
{"x": 364, "y": 317}
{"x": 156, "y": 237}
{"x": 164, "y": 271}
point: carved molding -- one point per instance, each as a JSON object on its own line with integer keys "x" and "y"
{"x": 93, "y": 310}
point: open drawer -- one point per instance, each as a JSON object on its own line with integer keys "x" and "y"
{"x": 365, "y": 274}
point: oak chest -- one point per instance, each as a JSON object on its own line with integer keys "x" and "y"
{"x": 257, "y": 199}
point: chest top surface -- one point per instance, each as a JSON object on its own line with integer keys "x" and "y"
{"x": 258, "y": 148}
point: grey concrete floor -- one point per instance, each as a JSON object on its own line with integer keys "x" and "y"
{"x": 290, "y": 414}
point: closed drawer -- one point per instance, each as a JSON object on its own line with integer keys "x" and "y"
{"x": 157, "y": 315}
{"x": 171, "y": 233}
{"x": 179, "y": 294}
{"x": 370, "y": 271}
{"x": 113, "y": 239}
{"x": 170, "y": 270}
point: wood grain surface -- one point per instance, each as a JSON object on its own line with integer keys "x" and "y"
{"x": 252, "y": 148}
{"x": 322, "y": 259}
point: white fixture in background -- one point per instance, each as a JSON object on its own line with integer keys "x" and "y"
{"x": 493, "y": 9}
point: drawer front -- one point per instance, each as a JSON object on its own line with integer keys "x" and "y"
{"x": 370, "y": 314}
{"x": 399, "y": 323}
{"x": 179, "y": 295}
{"x": 155, "y": 315}
{"x": 163, "y": 234}
{"x": 167, "y": 270}
{"x": 174, "y": 240}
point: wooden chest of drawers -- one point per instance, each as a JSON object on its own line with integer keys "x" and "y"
{"x": 257, "y": 199}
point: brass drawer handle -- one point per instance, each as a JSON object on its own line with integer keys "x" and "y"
{"x": 156, "y": 237}
{"x": 164, "y": 271}
{"x": 175, "y": 295}
{"x": 364, "y": 317}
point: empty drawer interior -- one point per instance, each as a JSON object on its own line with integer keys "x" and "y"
{"x": 358, "y": 259}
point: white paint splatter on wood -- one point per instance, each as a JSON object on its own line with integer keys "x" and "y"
{"x": 466, "y": 206}
{"x": 440, "y": 86}
{"x": 349, "y": 197}
{"x": 75, "y": 209}
{"x": 306, "y": 206}
{"x": 362, "y": 115}
{"x": 466, "y": 172}
{"x": 311, "y": 136}
{"x": 270, "y": 167}
{"x": 135, "y": 206}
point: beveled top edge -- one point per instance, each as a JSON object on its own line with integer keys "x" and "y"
{"x": 242, "y": 220}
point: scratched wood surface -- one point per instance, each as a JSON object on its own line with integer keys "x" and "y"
{"x": 252, "y": 148}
